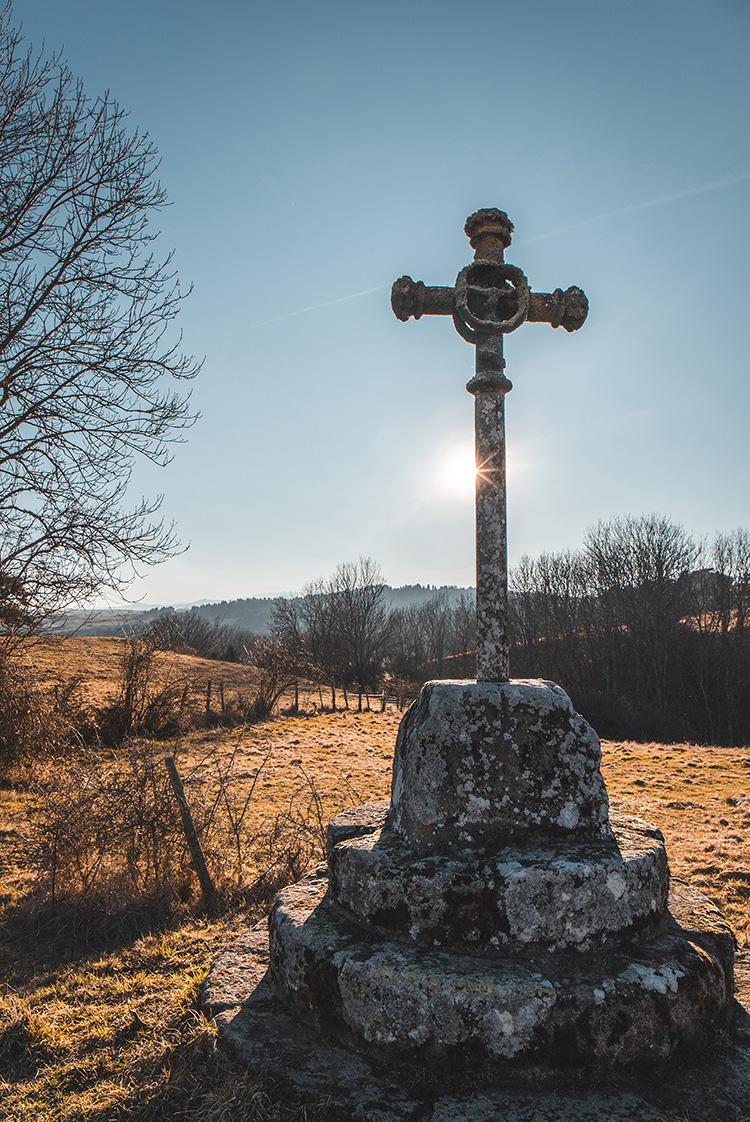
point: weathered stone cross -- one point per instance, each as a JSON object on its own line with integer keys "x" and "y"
{"x": 489, "y": 300}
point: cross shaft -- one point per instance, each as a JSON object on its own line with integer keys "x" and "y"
{"x": 490, "y": 299}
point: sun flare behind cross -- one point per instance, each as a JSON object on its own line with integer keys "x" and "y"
{"x": 458, "y": 472}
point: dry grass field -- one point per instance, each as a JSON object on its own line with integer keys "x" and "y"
{"x": 95, "y": 661}
{"x": 105, "y": 1026}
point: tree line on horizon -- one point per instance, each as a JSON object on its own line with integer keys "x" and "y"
{"x": 250, "y": 613}
{"x": 646, "y": 628}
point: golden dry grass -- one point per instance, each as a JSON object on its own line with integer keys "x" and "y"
{"x": 96, "y": 662}
{"x": 114, "y": 1034}
{"x": 347, "y": 756}
{"x": 699, "y": 797}
{"x": 117, "y": 1034}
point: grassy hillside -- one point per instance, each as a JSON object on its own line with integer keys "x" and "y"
{"x": 95, "y": 661}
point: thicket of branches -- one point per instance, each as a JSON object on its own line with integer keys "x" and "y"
{"x": 647, "y": 629}
{"x": 85, "y": 347}
{"x": 106, "y": 834}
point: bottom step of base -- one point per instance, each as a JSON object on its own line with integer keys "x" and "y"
{"x": 304, "y": 1066}
{"x": 637, "y": 1003}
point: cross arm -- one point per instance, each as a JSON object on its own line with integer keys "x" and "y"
{"x": 560, "y": 309}
{"x": 413, "y": 298}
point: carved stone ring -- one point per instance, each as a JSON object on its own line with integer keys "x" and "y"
{"x": 492, "y": 285}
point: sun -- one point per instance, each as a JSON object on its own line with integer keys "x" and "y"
{"x": 458, "y": 472}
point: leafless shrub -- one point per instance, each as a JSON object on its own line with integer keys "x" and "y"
{"x": 148, "y": 702}
{"x": 296, "y": 838}
{"x": 156, "y": 698}
{"x": 225, "y": 825}
{"x": 277, "y": 667}
{"x": 254, "y": 857}
{"x": 109, "y": 830}
{"x": 108, "y": 835}
{"x": 36, "y": 723}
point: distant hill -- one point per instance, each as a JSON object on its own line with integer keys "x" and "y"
{"x": 409, "y": 595}
{"x": 250, "y": 614}
{"x": 108, "y": 622}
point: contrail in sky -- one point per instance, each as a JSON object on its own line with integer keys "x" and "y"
{"x": 315, "y": 307}
{"x": 715, "y": 186}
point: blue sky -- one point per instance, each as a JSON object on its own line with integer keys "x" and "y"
{"x": 314, "y": 152}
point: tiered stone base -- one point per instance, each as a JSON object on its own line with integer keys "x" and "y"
{"x": 493, "y": 912}
{"x": 263, "y": 1029}
{"x": 557, "y": 1009}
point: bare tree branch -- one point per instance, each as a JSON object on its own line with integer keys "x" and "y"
{"x": 86, "y": 334}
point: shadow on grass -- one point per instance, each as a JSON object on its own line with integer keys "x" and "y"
{"x": 197, "y": 1080}
{"x": 35, "y": 929}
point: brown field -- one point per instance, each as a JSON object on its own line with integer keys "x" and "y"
{"x": 95, "y": 661}
{"x": 111, "y": 1032}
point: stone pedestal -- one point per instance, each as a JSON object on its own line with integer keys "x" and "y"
{"x": 494, "y": 913}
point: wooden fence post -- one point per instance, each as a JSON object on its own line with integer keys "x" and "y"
{"x": 199, "y": 861}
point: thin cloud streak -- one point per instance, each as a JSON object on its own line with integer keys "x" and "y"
{"x": 316, "y": 307}
{"x": 717, "y": 185}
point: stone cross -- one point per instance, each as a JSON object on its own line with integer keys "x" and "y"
{"x": 490, "y": 299}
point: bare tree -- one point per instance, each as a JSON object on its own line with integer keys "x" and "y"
{"x": 85, "y": 317}
{"x": 550, "y": 612}
{"x": 731, "y": 562}
{"x": 437, "y": 615}
{"x": 725, "y": 691}
{"x": 464, "y": 635}
{"x": 407, "y": 648}
{"x": 309, "y": 627}
{"x": 338, "y": 628}
{"x": 641, "y": 568}
{"x": 357, "y": 592}
{"x": 423, "y": 637}
{"x": 277, "y": 669}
